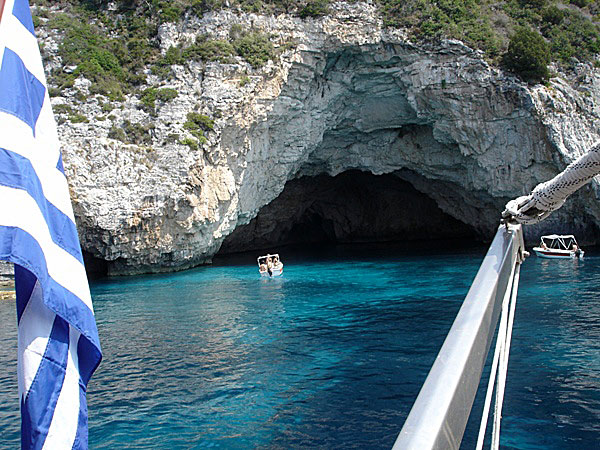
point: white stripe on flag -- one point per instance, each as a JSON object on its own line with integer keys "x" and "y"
{"x": 34, "y": 330}
{"x": 23, "y": 43}
{"x": 21, "y": 211}
{"x": 63, "y": 428}
{"x": 16, "y": 136}
{"x": 47, "y": 132}
{"x": 8, "y": 7}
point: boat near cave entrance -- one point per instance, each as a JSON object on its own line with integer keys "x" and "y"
{"x": 270, "y": 265}
{"x": 555, "y": 246}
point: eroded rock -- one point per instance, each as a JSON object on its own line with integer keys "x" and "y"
{"x": 349, "y": 96}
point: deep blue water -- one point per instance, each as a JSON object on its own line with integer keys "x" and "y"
{"x": 331, "y": 355}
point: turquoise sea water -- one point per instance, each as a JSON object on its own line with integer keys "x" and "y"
{"x": 331, "y": 355}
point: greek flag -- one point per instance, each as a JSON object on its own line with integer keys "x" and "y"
{"x": 58, "y": 340}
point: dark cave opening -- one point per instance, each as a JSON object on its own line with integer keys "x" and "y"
{"x": 352, "y": 207}
{"x": 94, "y": 267}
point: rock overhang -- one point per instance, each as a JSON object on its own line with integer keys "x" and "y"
{"x": 350, "y": 96}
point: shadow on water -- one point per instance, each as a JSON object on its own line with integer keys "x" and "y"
{"x": 299, "y": 253}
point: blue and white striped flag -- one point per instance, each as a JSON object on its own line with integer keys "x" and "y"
{"x": 59, "y": 347}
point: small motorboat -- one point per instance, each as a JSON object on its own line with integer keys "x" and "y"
{"x": 558, "y": 246}
{"x": 270, "y": 265}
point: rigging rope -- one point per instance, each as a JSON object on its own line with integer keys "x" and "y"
{"x": 500, "y": 362}
{"x": 529, "y": 209}
{"x": 503, "y": 365}
{"x": 551, "y": 195}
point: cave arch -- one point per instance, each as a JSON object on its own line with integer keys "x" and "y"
{"x": 352, "y": 207}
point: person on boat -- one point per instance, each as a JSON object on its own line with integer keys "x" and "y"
{"x": 263, "y": 266}
{"x": 275, "y": 261}
{"x": 270, "y": 266}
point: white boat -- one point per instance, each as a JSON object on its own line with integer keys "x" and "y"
{"x": 558, "y": 246}
{"x": 270, "y": 265}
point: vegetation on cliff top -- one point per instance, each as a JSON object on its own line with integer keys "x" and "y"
{"x": 112, "y": 43}
{"x": 543, "y": 30}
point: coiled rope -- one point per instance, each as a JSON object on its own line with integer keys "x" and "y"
{"x": 551, "y": 195}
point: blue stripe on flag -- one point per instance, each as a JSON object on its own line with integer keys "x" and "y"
{"x": 26, "y": 91}
{"x": 88, "y": 360}
{"x": 45, "y": 389}
{"x": 17, "y": 172}
{"x": 14, "y": 243}
{"x": 21, "y": 11}
{"x": 59, "y": 164}
{"x": 23, "y": 289}
{"x": 81, "y": 438}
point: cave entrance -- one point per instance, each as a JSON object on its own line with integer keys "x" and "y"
{"x": 351, "y": 207}
{"x": 94, "y": 267}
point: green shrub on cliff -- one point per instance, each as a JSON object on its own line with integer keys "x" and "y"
{"x": 117, "y": 133}
{"x": 199, "y": 7}
{"x": 113, "y": 65}
{"x": 151, "y": 95}
{"x": 244, "y": 80}
{"x": 110, "y": 88}
{"x": 581, "y": 3}
{"x": 206, "y": 49}
{"x": 570, "y": 31}
{"x": 78, "y": 118}
{"x": 168, "y": 11}
{"x": 528, "y": 55}
{"x": 166, "y": 94}
{"x": 255, "y": 47}
{"x": 199, "y": 121}
{"x": 467, "y": 20}
{"x": 132, "y": 133}
{"x": 570, "y": 35}
{"x": 314, "y": 8}
{"x": 111, "y": 43}
{"x": 85, "y": 48}
{"x": 191, "y": 143}
{"x": 197, "y": 124}
{"x": 63, "y": 108}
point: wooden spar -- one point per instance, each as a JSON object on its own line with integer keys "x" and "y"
{"x": 1, "y": 9}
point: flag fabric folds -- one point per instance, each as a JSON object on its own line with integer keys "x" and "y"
{"x": 58, "y": 344}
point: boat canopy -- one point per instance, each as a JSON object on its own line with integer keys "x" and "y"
{"x": 264, "y": 258}
{"x": 559, "y": 241}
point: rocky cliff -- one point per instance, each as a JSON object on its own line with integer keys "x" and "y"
{"x": 435, "y": 139}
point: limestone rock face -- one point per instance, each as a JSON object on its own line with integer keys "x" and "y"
{"x": 6, "y": 271}
{"x": 348, "y": 95}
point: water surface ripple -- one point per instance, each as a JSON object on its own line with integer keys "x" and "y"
{"x": 331, "y": 355}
